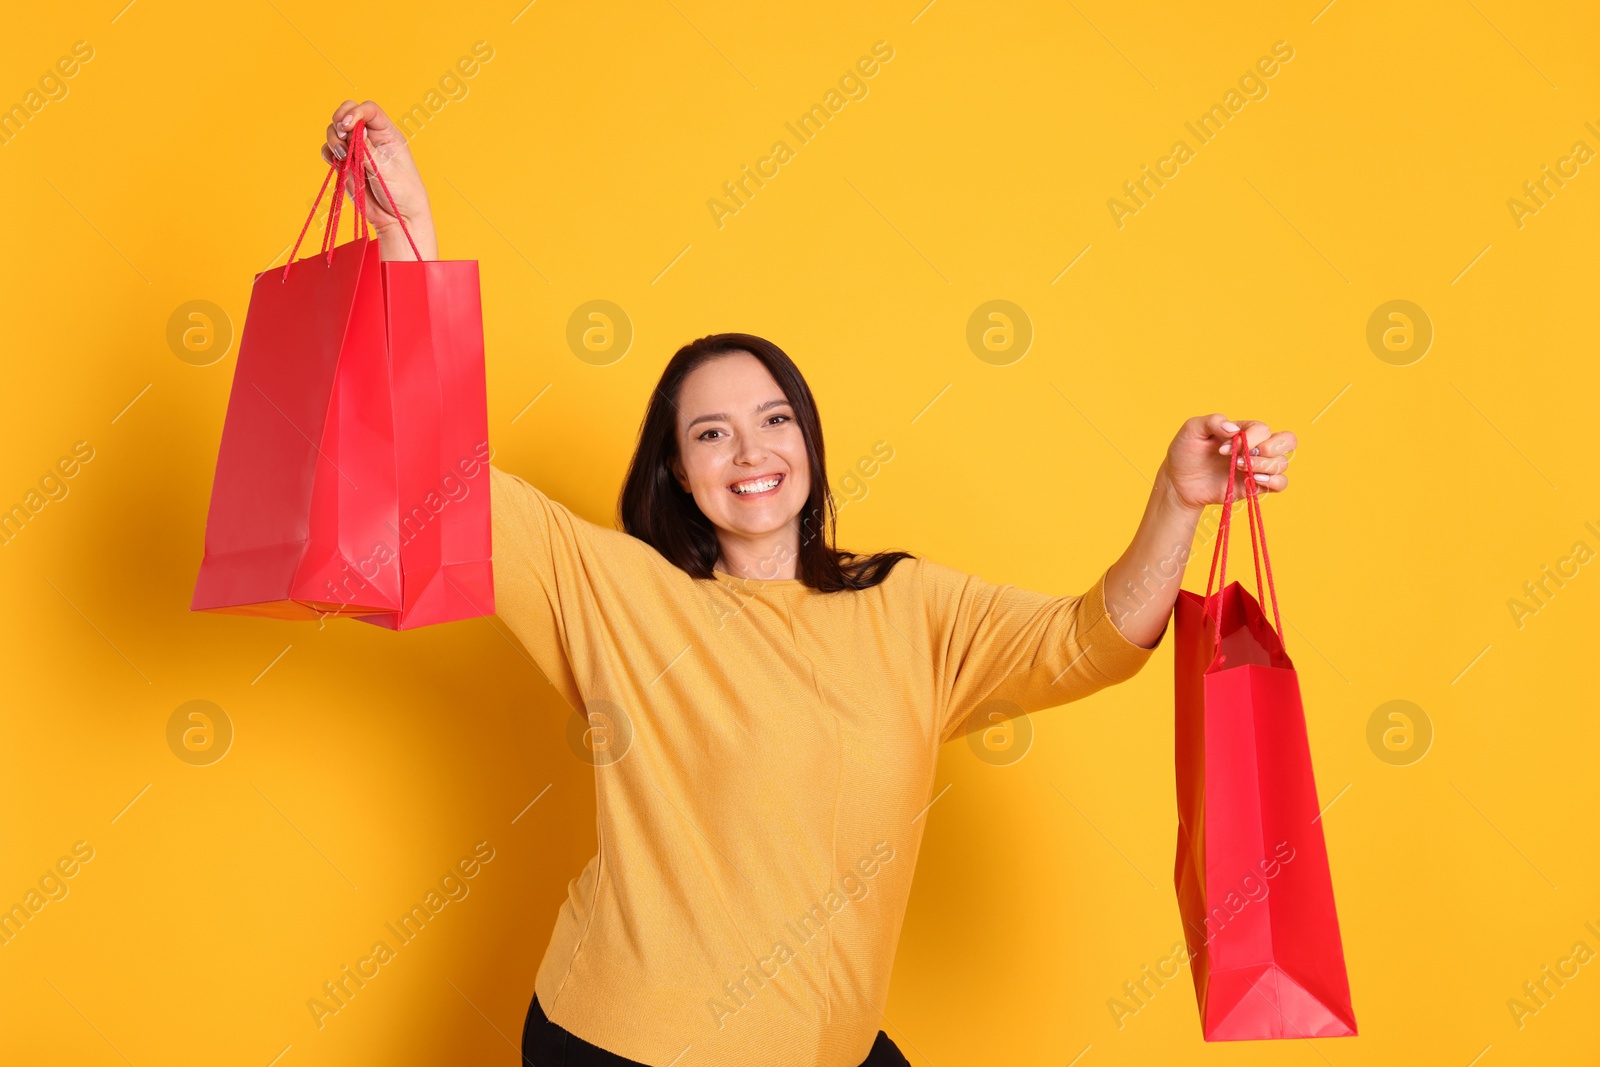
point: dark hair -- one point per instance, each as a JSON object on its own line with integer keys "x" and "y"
{"x": 654, "y": 508}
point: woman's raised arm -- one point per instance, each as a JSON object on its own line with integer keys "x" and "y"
{"x": 393, "y": 158}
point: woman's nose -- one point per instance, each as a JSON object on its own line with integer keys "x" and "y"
{"x": 747, "y": 450}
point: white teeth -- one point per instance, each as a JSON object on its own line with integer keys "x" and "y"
{"x": 755, "y": 487}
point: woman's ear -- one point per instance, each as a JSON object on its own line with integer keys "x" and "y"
{"x": 675, "y": 465}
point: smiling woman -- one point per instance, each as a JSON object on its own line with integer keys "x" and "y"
{"x": 730, "y": 473}
{"x": 784, "y": 700}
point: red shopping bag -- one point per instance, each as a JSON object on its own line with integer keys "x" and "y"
{"x": 1251, "y": 871}
{"x": 352, "y": 475}
{"x": 441, "y": 421}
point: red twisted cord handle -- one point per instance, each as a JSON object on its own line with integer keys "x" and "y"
{"x": 330, "y": 232}
{"x": 314, "y": 205}
{"x": 358, "y": 194}
{"x": 1258, "y": 535}
{"x": 1265, "y": 560}
{"x": 359, "y": 188}
{"x": 1224, "y": 524}
{"x": 357, "y": 153}
{"x": 351, "y": 161}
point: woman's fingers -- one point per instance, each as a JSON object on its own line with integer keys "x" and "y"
{"x": 348, "y": 114}
{"x": 1281, "y": 443}
{"x": 1265, "y": 482}
{"x": 1255, "y": 432}
{"x": 1272, "y": 483}
{"x": 1271, "y": 456}
{"x": 1262, "y": 441}
{"x": 385, "y": 142}
{"x": 1264, "y": 464}
{"x": 338, "y": 134}
{"x": 333, "y": 149}
{"x": 1215, "y": 425}
{"x": 380, "y": 131}
{"x": 381, "y": 134}
{"x": 345, "y": 116}
{"x": 377, "y": 130}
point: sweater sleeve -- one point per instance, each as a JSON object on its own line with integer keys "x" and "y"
{"x": 1032, "y": 650}
{"x": 546, "y": 559}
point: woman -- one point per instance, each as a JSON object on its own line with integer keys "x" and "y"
{"x": 766, "y": 711}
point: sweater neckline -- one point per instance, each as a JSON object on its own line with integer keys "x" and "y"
{"x": 758, "y": 583}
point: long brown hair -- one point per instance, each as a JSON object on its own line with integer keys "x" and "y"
{"x": 654, "y": 508}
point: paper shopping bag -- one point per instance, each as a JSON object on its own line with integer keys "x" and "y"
{"x": 442, "y": 530}
{"x": 1251, "y": 871}
{"x": 305, "y": 485}
{"x": 359, "y": 392}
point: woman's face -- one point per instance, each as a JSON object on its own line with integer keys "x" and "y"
{"x": 737, "y": 429}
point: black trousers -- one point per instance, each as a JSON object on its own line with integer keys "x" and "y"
{"x": 544, "y": 1044}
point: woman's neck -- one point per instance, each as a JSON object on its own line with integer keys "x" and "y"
{"x": 775, "y": 556}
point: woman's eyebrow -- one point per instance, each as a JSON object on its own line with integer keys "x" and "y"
{"x": 721, "y": 417}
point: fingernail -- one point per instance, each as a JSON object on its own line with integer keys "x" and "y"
{"x": 349, "y": 120}
{"x": 1255, "y": 451}
{"x": 338, "y": 150}
{"x": 339, "y": 133}
{"x": 1225, "y": 449}
{"x": 1261, "y": 477}
{"x": 1230, "y": 427}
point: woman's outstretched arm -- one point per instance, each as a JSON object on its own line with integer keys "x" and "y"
{"x": 1142, "y": 585}
{"x": 393, "y": 156}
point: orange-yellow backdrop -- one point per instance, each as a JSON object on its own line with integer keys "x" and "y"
{"x": 576, "y": 163}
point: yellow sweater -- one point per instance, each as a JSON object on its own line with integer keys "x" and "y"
{"x": 763, "y": 753}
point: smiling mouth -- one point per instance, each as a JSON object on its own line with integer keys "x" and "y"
{"x": 763, "y": 485}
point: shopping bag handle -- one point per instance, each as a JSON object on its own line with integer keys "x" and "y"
{"x": 341, "y": 170}
{"x": 1258, "y": 535}
{"x": 354, "y": 156}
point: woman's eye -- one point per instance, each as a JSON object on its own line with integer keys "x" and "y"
{"x": 785, "y": 418}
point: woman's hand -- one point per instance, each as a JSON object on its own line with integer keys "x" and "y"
{"x": 1142, "y": 585}
{"x": 1199, "y": 460}
{"x": 393, "y": 158}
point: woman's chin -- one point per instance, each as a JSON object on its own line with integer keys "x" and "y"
{"x": 757, "y": 521}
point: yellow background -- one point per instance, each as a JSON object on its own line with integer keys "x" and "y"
{"x": 578, "y": 167}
